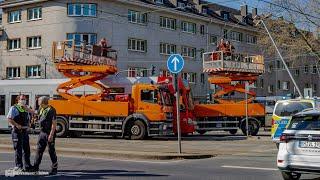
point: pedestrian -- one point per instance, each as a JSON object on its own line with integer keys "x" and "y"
{"x": 18, "y": 118}
{"x": 48, "y": 123}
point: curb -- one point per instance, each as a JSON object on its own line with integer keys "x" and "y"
{"x": 118, "y": 154}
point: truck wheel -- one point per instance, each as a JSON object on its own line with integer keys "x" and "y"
{"x": 201, "y": 132}
{"x": 233, "y": 131}
{"x": 290, "y": 176}
{"x": 253, "y": 125}
{"x": 62, "y": 127}
{"x": 137, "y": 130}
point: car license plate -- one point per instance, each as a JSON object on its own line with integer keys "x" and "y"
{"x": 309, "y": 144}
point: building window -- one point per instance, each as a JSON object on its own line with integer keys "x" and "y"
{"x": 188, "y": 27}
{"x": 191, "y": 77}
{"x": 137, "y": 45}
{"x": 159, "y": 1}
{"x": 33, "y": 71}
{"x": 285, "y": 85}
{"x": 297, "y": 72}
{"x": 236, "y": 36}
{"x": 76, "y": 9}
{"x": 82, "y": 37}
{"x": 137, "y": 17}
{"x": 181, "y": 5}
{"x": 314, "y": 69}
{"x": 34, "y": 42}
{"x": 188, "y": 52}
{"x": 251, "y": 39}
{"x": 202, "y": 78}
{"x": 270, "y": 68}
{"x": 14, "y": 16}
{"x": 225, "y": 16}
{"x": 168, "y": 23}
{"x": 270, "y": 89}
{"x": 164, "y": 73}
{"x": 137, "y": 72}
{"x": 14, "y": 44}
{"x": 13, "y": 72}
{"x": 202, "y": 29}
{"x": 35, "y": 13}
{"x": 278, "y": 84}
{"x": 307, "y": 85}
{"x": 278, "y": 64}
{"x": 306, "y": 69}
{"x": 167, "y": 49}
{"x": 213, "y": 39}
{"x": 2, "y": 105}
{"x": 315, "y": 88}
{"x": 261, "y": 83}
{"x": 225, "y": 34}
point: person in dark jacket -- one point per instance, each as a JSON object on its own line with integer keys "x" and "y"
{"x": 48, "y": 123}
{"x": 18, "y": 118}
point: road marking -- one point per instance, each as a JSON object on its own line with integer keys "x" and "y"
{"x": 6, "y": 161}
{"x": 254, "y": 168}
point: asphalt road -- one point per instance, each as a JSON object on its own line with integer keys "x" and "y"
{"x": 218, "y": 168}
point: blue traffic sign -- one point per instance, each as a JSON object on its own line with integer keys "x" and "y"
{"x": 175, "y": 63}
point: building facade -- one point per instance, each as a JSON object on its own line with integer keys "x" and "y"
{"x": 144, "y": 32}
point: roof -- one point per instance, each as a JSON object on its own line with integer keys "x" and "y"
{"x": 214, "y": 9}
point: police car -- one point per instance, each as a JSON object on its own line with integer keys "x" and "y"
{"x": 299, "y": 150}
{"x": 284, "y": 110}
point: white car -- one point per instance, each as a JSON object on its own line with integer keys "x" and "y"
{"x": 299, "y": 150}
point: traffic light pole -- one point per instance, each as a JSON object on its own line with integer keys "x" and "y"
{"x": 176, "y": 83}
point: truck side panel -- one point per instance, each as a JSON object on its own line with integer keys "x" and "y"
{"x": 231, "y": 110}
{"x": 91, "y": 108}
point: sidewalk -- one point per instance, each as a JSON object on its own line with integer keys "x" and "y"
{"x": 194, "y": 147}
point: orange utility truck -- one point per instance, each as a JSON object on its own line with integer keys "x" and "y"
{"x": 230, "y": 72}
{"x": 146, "y": 111}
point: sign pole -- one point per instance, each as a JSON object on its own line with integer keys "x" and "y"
{"x": 247, "y": 120}
{"x": 175, "y": 65}
{"x": 176, "y": 80}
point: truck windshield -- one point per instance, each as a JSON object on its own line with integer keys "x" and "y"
{"x": 305, "y": 123}
{"x": 291, "y": 108}
{"x": 150, "y": 96}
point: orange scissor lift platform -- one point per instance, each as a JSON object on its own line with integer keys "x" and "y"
{"x": 85, "y": 66}
{"x": 229, "y": 73}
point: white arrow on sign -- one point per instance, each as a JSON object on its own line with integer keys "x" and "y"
{"x": 175, "y": 62}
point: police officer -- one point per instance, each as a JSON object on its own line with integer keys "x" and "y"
{"x": 47, "y": 121}
{"x": 18, "y": 117}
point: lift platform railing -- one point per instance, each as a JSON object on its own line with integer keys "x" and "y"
{"x": 219, "y": 61}
{"x": 67, "y": 51}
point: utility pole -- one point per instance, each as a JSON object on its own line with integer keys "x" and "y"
{"x": 275, "y": 45}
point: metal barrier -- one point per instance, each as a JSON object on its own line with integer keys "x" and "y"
{"x": 85, "y": 54}
{"x": 222, "y": 61}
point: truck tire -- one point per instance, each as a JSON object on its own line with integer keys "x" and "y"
{"x": 62, "y": 127}
{"x": 233, "y": 131}
{"x": 290, "y": 175}
{"x": 137, "y": 130}
{"x": 254, "y": 126}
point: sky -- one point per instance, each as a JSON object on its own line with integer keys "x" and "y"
{"x": 237, "y": 3}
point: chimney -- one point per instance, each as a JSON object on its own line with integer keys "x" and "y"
{"x": 244, "y": 10}
{"x": 197, "y": 5}
{"x": 254, "y": 12}
{"x": 174, "y": 2}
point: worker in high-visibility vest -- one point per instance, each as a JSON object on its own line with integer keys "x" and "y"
{"x": 18, "y": 117}
{"x": 48, "y": 124}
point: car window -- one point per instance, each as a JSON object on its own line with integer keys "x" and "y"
{"x": 305, "y": 123}
{"x": 291, "y": 108}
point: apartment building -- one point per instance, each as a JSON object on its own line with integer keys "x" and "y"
{"x": 144, "y": 32}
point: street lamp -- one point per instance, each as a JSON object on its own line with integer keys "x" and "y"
{"x": 258, "y": 20}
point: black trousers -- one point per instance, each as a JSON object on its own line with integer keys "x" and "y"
{"x": 20, "y": 139}
{"x": 41, "y": 146}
